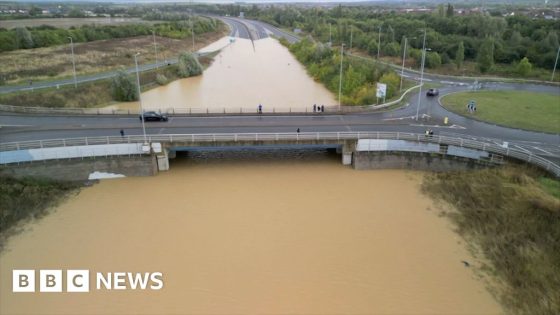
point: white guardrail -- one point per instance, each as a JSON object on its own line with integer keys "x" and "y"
{"x": 309, "y": 136}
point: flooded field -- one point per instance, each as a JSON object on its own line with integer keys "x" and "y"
{"x": 69, "y": 22}
{"x": 242, "y": 77}
{"x": 273, "y": 232}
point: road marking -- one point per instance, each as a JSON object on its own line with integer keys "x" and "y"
{"x": 537, "y": 148}
{"x": 522, "y": 149}
{"x": 457, "y": 127}
{"x": 400, "y": 118}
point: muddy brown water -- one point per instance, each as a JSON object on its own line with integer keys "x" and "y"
{"x": 245, "y": 232}
{"x": 240, "y": 78}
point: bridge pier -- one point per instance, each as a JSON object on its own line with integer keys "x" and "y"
{"x": 347, "y": 151}
{"x": 163, "y": 160}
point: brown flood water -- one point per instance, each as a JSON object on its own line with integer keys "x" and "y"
{"x": 232, "y": 233}
{"x": 239, "y": 79}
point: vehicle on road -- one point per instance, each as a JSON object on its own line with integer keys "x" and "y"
{"x": 153, "y": 116}
{"x": 432, "y": 92}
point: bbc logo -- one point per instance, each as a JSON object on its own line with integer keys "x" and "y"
{"x": 50, "y": 280}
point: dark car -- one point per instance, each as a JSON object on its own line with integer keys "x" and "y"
{"x": 153, "y": 116}
{"x": 432, "y": 92}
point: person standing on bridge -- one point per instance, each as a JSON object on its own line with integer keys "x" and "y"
{"x": 322, "y": 108}
{"x": 314, "y": 108}
{"x": 260, "y": 108}
{"x": 122, "y": 133}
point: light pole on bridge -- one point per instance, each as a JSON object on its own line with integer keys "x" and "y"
{"x": 421, "y": 75}
{"x": 140, "y": 98}
{"x": 340, "y": 80}
{"x": 555, "y": 64}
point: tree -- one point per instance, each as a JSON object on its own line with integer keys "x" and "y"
{"x": 393, "y": 81}
{"x": 450, "y": 10}
{"x": 123, "y": 87}
{"x": 433, "y": 59}
{"x": 188, "y": 65}
{"x": 24, "y": 38}
{"x": 460, "y": 55}
{"x": 524, "y": 67}
{"x": 485, "y": 56}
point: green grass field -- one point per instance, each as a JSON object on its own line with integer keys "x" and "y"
{"x": 517, "y": 109}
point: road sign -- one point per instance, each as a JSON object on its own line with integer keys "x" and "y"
{"x": 381, "y": 90}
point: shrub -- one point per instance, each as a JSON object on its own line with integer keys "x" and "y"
{"x": 161, "y": 79}
{"x": 123, "y": 87}
{"x": 188, "y": 65}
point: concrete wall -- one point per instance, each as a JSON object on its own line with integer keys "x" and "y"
{"x": 79, "y": 170}
{"x": 412, "y": 160}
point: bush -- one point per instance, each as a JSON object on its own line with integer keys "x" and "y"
{"x": 188, "y": 65}
{"x": 123, "y": 87}
{"x": 524, "y": 67}
{"x": 161, "y": 79}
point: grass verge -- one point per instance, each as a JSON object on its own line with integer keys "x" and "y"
{"x": 514, "y": 220}
{"x": 517, "y": 109}
{"x": 87, "y": 95}
{"x": 27, "y": 199}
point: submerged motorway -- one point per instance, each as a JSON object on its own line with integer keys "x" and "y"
{"x": 430, "y": 115}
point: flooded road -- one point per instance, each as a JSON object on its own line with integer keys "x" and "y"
{"x": 240, "y": 78}
{"x": 275, "y": 232}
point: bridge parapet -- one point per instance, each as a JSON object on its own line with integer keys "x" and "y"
{"x": 347, "y": 140}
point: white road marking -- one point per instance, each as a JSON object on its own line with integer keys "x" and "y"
{"x": 457, "y": 127}
{"x": 400, "y": 118}
{"x": 537, "y": 148}
{"x": 522, "y": 149}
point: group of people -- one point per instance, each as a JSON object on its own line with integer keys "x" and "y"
{"x": 318, "y": 108}
{"x": 471, "y": 107}
{"x": 429, "y": 132}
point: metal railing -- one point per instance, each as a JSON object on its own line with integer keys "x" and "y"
{"x": 199, "y": 110}
{"x": 335, "y": 137}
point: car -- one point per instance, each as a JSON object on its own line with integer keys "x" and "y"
{"x": 432, "y": 92}
{"x": 153, "y": 116}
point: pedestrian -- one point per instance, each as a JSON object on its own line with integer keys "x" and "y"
{"x": 297, "y": 130}
{"x": 314, "y": 108}
{"x": 260, "y": 109}
{"x": 322, "y": 108}
{"x": 122, "y": 133}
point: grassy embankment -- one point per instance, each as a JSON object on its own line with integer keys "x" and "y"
{"x": 87, "y": 95}
{"x": 517, "y": 109}
{"x": 27, "y": 199}
{"x": 512, "y": 217}
{"x": 24, "y": 65}
{"x": 359, "y": 76}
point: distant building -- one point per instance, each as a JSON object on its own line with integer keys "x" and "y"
{"x": 242, "y": 14}
{"x": 297, "y": 30}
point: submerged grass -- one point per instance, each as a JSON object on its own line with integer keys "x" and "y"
{"x": 513, "y": 216}
{"x": 27, "y": 199}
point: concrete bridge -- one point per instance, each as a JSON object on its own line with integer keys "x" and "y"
{"x": 134, "y": 155}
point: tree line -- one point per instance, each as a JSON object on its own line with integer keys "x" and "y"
{"x": 452, "y": 39}
{"x": 45, "y": 36}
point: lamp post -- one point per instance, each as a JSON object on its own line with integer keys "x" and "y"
{"x": 330, "y": 34}
{"x": 340, "y": 80}
{"x": 351, "y": 35}
{"x": 403, "y": 60}
{"x": 73, "y": 62}
{"x": 421, "y": 74}
{"x": 155, "y": 47}
{"x": 140, "y": 98}
{"x": 192, "y": 34}
{"x": 555, "y": 64}
{"x": 379, "y": 42}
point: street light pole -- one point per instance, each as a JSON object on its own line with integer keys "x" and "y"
{"x": 73, "y": 62}
{"x": 330, "y": 34}
{"x": 140, "y": 98}
{"x": 379, "y": 42}
{"x": 403, "y": 60}
{"x": 192, "y": 34}
{"x": 421, "y": 75}
{"x": 155, "y": 47}
{"x": 340, "y": 80}
{"x": 555, "y": 64}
